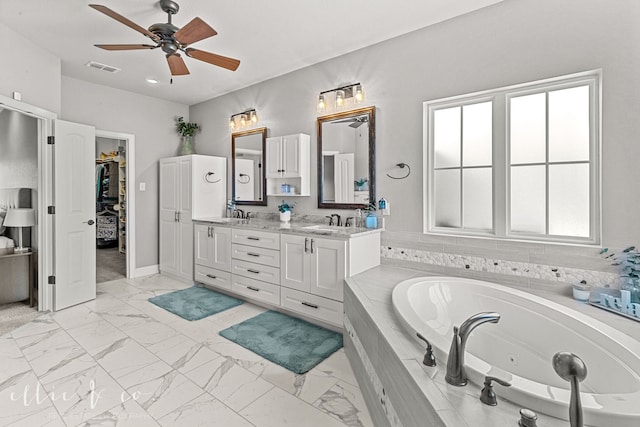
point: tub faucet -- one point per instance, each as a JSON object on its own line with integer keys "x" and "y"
{"x": 571, "y": 368}
{"x": 456, "y": 374}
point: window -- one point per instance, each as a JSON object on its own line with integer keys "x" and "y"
{"x": 518, "y": 162}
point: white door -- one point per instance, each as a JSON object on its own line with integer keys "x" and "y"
{"x": 344, "y": 177}
{"x": 169, "y": 216}
{"x": 75, "y": 216}
{"x": 274, "y": 157}
{"x": 294, "y": 262}
{"x": 328, "y": 267}
{"x": 291, "y": 156}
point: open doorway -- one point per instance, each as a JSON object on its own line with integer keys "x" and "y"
{"x": 113, "y": 167}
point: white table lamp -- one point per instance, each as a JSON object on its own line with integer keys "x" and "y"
{"x": 20, "y": 218}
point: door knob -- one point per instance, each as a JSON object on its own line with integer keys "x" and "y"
{"x": 90, "y": 222}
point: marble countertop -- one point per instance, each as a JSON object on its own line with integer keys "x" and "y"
{"x": 456, "y": 406}
{"x": 293, "y": 227}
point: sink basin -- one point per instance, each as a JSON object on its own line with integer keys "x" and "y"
{"x": 322, "y": 228}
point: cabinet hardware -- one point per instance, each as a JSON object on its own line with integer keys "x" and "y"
{"x": 309, "y": 305}
{"x": 175, "y": 216}
{"x": 253, "y": 238}
{"x": 253, "y": 289}
{"x": 179, "y": 216}
{"x": 306, "y": 243}
{"x": 253, "y": 271}
{"x": 252, "y": 254}
{"x": 208, "y": 231}
{"x": 311, "y": 245}
{"x": 210, "y": 276}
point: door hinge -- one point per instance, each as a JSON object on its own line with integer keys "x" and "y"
{"x": 51, "y": 210}
{"x": 51, "y": 140}
{"x": 51, "y": 280}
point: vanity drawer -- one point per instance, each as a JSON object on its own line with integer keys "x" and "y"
{"x": 256, "y": 289}
{"x": 258, "y": 255}
{"x": 256, "y": 271}
{"x": 213, "y": 277}
{"x": 259, "y": 239}
{"x": 312, "y": 305}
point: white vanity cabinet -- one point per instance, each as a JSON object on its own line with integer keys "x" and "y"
{"x": 313, "y": 270}
{"x": 255, "y": 264}
{"x": 288, "y": 161}
{"x": 212, "y": 255}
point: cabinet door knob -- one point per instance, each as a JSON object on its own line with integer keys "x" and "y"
{"x": 90, "y": 222}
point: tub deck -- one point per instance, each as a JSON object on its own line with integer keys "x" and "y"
{"x": 385, "y": 358}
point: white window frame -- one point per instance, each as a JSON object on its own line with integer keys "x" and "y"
{"x": 501, "y": 202}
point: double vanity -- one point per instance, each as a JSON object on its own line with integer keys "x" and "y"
{"x": 294, "y": 267}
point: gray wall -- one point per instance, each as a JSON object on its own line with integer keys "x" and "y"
{"x": 152, "y": 121}
{"x": 30, "y": 70}
{"x": 18, "y": 150}
{"x": 512, "y": 42}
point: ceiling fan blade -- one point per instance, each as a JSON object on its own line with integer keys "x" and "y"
{"x": 194, "y": 31}
{"x": 212, "y": 58}
{"x": 124, "y": 46}
{"x": 177, "y": 65}
{"x": 110, "y": 13}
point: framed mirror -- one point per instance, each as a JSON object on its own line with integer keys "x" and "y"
{"x": 247, "y": 167}
{"x": 346, "y": 159}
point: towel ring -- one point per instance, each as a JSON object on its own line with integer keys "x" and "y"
{"x": 207, "y": 175}
{"x": 242, "y": 175}
{"x": 401, "y": 166}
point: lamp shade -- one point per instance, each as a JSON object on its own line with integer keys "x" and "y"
{"x": 20, "y": 218}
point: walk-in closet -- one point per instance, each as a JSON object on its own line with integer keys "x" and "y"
{"x": 111, "y": 203}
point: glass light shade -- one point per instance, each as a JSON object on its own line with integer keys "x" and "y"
{"x": 253, "y": 117}
{"x": 339, "y": 98}
{"x": 322, "y": 104}
{"x": 358, "y": 94}
{"x": 243, "y": 120}
{"x": 232, "y": 124}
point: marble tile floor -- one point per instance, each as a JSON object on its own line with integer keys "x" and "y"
{"x": 121, "y": 361}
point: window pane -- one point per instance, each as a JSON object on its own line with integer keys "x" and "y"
{"x": 569, "y": 200}
{"x": 447, "y": 199}
{"x": 477, "y": 134}
{"x": 528, "y": 129}
{"x": 569, "y": 124}
{"x": 477, "y": 198}
{"x": 528, "y": 205}
{"x": 446, "y": 137}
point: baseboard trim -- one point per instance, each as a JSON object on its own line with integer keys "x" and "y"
{"x": 146, "y": 271}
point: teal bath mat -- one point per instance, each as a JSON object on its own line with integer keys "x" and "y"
{"x": 195, "y": 303}
{"x": 291, "y": 343}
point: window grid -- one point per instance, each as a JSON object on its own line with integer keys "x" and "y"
{"x": 502, "y": 228}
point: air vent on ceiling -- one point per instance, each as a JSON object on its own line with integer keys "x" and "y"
{"x": 103, "y": 67}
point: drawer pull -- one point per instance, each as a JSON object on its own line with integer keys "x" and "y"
{"x": 253, "y": 289}
{"x": 252, "y": 238}
{"x": 211, "y": 276}
{"x": 252, "y": 254}
{"x": 309, "y": 304}
{"x": 253, "y": 271}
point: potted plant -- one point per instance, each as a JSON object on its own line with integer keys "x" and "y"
{"x": 285, "y": 211}
{"x": 361, "y": 184}
{"x": 628, "y": 262}
{"x": 186, "y": 131}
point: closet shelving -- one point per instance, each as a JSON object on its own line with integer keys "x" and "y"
{"x": 112, "y": 200}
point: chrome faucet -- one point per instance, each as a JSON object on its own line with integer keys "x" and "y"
{"x": 456, "y": 374}
{"x": 338, "y": 222}
{"x": 571, "y": 368}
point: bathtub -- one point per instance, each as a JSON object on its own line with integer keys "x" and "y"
{"x": 520, "y": 347}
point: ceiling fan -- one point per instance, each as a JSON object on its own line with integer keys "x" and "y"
{"x": 356, "y": 122}
{"x": 171, "y": 39}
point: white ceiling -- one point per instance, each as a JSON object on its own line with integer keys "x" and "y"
{"x": 270, "y": 38}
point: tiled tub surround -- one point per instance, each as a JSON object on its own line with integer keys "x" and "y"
{"x": 523, "y": 264}
{"x": 148, "y": 367}
{"x": 399, "y": 390}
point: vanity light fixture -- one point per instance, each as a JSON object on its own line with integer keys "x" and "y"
{"x": 244, "y": 119}
{"x": 341, "y": 95}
